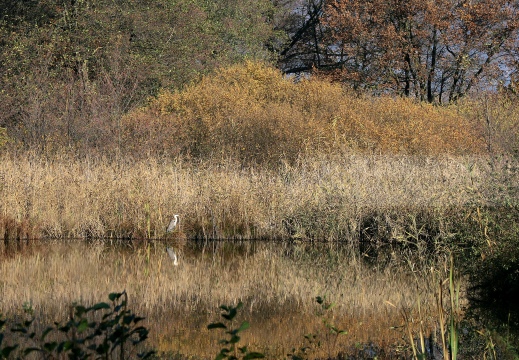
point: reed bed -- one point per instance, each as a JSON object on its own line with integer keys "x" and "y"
{"x": 323, "y": 198}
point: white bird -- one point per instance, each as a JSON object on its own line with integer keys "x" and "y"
{"x": 173, "y": 224}
{"x": 173, "y": 255}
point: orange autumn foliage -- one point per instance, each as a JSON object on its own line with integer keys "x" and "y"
{"x": 251, "y": 112}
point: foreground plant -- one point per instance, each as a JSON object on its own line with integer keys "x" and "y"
{"x": 115, "y": 336}
{"x": 231, "y": 350}
{"x": 454, "y": 315}
{"x": 314, "y": 341}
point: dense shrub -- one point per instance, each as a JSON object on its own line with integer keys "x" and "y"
{"x": 252, "y": 112}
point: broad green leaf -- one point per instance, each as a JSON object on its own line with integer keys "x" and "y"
{"x": 244, "y": 326}
{"x": 82, "y": 326}
{"x": 50, "y": 346}
{"x": 253, "y": 355}
{"x": 101, "y": 305}
{"x": 8, "y": 350}
{"x": 114, "y": 296}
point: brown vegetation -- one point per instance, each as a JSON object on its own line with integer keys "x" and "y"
{"x": 252, "y": 113}
{"x": 319, "y": 198}
{"x": 106, "y": 131}
{"x": 436, "y": 51}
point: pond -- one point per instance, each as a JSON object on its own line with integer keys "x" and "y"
{"x": 382, "y": 297}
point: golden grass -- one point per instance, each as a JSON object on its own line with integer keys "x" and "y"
{"x": 277, "y": 283}
{"x": 326, "y": 198}
{"x": 248, "y": 154}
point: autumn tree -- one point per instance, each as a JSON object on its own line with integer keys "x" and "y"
{"x": 436, "y": 51}
{"x": 71, "y": 68}
{"x": 301, "y": 21}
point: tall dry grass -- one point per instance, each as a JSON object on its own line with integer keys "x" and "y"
{"x": 277, "y": 282}
{"x": 318, "y": 198}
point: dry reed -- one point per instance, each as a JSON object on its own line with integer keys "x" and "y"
{"x": 325, "y": 198}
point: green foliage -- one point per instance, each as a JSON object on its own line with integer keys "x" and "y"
{"x": 231, "y": 350}
{"x": 102, "y": 331}
{"x": 450, "y": 316}
{"x": 70, "y": 70}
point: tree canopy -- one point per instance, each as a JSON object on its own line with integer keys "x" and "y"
{"x": 75, "y": 67}
{"x": 435, "y": 51}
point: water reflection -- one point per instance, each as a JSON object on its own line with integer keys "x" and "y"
{"x": 277, "y": 281}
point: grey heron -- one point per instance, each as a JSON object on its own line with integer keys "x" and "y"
{"x": 173, "y": 255}
{"x": 173, "y": 224}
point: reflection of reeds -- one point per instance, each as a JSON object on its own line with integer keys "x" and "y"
{"x": 276, "y": 282}
{"x": 326, "y": 198}
{"x": 443, "y": 317}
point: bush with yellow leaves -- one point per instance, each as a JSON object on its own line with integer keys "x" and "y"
{"x": 253, "y": 113}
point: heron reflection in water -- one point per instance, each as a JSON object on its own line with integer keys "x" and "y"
{"x": 173, "y": 255}
{"x": 171, "y": 227}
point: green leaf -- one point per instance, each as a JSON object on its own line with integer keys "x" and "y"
{"x": 46, "y": 332}
{"x": 83, "y": 325}
{"x": 30, "y": 350}
{"x": 253, "y": 355}
{"x": 114, "y": 296}
{"x": 80, "y": 310}
{"x": 101, "y": 305}
{"x": 8, "y": 350}
{"x": 64, "y": 328}
{"x": 234, "y": 339}
{"x": 220, "y": 356}
{"x": 138, "y": 319}
{"x": 244, "y": 326}
{"x": 50, "y": 346}
{"x": 27, "y": 323}
{"x": 18, "y": 328}
{"x": 216, "y": 326}
{"x": 67, "y": 345}
{"x": 127, "y": 320}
